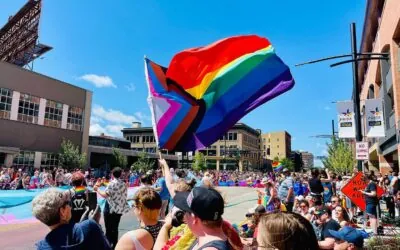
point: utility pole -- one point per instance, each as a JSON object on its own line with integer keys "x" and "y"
{"x": 355, "y": 57}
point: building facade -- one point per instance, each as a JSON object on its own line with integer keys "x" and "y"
{"x": 381, "y": 79}
{"x": 276, "y": 145}
{"x": 36, "y": 114}
{"x": 308, "y": 159}
{"x": 238, "y": 149}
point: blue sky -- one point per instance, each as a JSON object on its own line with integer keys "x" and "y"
{"x": 99, "y": 45}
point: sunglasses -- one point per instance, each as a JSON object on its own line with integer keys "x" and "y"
{"x": 334, "y": 201}
{"x": 303, "y": 206}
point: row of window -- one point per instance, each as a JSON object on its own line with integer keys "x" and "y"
{"x": 230, "y": 136}
{"x": 28, "y": 111}
{"x": 145, "y": 138}
{"x": 27, "y": 159}
{"x": 250, "y": 139}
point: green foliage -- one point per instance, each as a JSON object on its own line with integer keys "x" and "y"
{"x": 120, "y": 159}
{"x": 287, "y": 163}
{"x": 340, "y": 157}
{"x": 143, "y": 164}
{"x": 199, "y": 162}
{"x": 70, "y": 156}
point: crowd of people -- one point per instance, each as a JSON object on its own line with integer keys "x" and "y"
{"x": 179, "y": 209}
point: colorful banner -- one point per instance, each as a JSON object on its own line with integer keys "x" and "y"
{"x": 347, "y": 127}
{"x": 374, "y": 118}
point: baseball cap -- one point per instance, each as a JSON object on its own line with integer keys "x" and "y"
{"x": 259, "y": 209}
{"x": 205, "y": 203}
{"x": 285, "y": 170}
{"x": 323, "y": 210}
{"x": 349, "y": 234}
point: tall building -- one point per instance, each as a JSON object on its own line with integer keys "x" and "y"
{"x": 238, "y": 149}
{"x": 308, "y": 159}
{"x": 295, "y": 157}
{"x": 276, "y": 145}
{"x": 36, "y": 114}
{"x": 381, "y": 78}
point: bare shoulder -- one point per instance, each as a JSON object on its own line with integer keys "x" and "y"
{"x": 126, "y": 242}
{"x": 144, "y": 238}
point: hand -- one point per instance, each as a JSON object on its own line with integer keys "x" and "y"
{"x": 95, "y": 214}
{"x": 168, "y": 221}
{"x": 163, "y": 163}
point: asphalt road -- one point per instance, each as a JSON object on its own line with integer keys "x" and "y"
{"x": 24, "y": 236}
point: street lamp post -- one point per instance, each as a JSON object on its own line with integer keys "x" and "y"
{"x": 355, "y": 57}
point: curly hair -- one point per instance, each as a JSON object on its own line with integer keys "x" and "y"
{"x": 46, "y": 206}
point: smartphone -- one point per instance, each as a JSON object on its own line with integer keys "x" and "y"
{"x": 92, "y": 200}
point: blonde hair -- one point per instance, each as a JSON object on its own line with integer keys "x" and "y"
{"x": 149, "y": 201}
{"x": 286, "y": 231}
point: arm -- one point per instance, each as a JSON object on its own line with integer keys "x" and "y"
{"x": 101, "y": 193}
{"x": 163, "y": 235}
{"x": 168, "y": 177}
{"x": 328, "y": 243}
{"x": 329, "y": 177}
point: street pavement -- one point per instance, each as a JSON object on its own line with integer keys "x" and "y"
{"x": 24, "y": 236}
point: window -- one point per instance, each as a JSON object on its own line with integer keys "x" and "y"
{"x": 264, "y": 147}
{"x": 265, "y": 154}
{"x": 148, "y": 139}
{"x": 232, "y": 136}
{"x": 24, "y": 159}
{"x": 49, "y": 160}
{"x": 75, "y": 118}
{"x": 5, "y": 103}
{"x": 53, "y": 114}
{"x": 28, "y": 110}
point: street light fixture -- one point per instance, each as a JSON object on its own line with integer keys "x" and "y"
{"x": 355, "y": 58}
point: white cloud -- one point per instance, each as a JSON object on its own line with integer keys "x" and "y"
{"x": 324, "y": 152}
{"x": 111, "y": 115}
{"x": 111, "y": 121}
{"x": 98, "y": 81}
{"x": 327, "y": 108}
{"x": 130, "y": 87}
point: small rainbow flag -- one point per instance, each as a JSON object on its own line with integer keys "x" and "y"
{"x": 277, "y": 166}
{"x": 80, "y": 190}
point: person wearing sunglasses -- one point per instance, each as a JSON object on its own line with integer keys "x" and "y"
{"x": 53, "y": 208}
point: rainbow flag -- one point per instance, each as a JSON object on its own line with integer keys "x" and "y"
{"x": 277, "y": 166}
{"x": 80, "y": 190}
{"x": 206, "y": 90}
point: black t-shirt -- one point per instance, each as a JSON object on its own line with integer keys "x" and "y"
{"x": 316, "y": 186}
{"x": 332, "y": 225}
{"x": 368, "y": 199}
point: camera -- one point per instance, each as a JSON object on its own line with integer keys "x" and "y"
{"x": 177, "y": 217}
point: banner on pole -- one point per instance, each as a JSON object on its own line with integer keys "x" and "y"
{"x": 374, "y": 118}
{"x": 347, "y": 127}
{"x": 362, "y": 151}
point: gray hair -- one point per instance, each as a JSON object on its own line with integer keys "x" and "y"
{"x": 46, "y": 206}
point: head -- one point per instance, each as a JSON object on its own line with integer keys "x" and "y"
{"x": 285, "y": 230}
{"x": 335, "y": 201}
{"x": 52, "y": 207}
{"x": 146, "y": 180}
{"x": 315, "y": 173}
{"x": 159, "y": 173}
{"x": 147, "y": 204}
{"x": 77, "y": 179}
{"x": 286, "y": 172}
{"x": 116, "y": 172}
{"x": 180, "y": 173}
{"x": 341, "y": 213}
{"x": 203, "y": 209}
{"x": 347, "y": 238}
{"x": 304, "y": 206}
{"x": 324, "y": 214}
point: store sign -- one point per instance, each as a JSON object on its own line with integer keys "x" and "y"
{"x": 354, "y": 186}
{"x": 374, "y": 118}
{"x": 362, "y": 151}
{"x": 347, "y": 127}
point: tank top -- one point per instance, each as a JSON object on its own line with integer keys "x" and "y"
{"x": 218, "y": 244}
{"x": 154, "y": 229}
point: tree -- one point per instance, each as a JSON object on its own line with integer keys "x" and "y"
{"x": 199, "y": 162}
{"x": 120, "y": 159}
{"x": 340, "y": 157}
{"x": 143, "y": 164}
{"x": 287, "y": 163}
{"x": 70, "y": 156}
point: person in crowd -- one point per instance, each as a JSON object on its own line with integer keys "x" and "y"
{"x": 335, "y": 202}
{"x": 325, "y": 218}
{"x": 341, "y": 216}
{"x": 116, "y": 204}
{"x": 161, "y": 187}
{"x": 249, "y": 228}
{"x": 285, "y": 191}
{"x": 203, "y": 209}
{"x": 286, "y": 231}
{"x": 315, "y": 184}
{"x": 52, "y": 208}
{"x": 347, "y": 238}
{"x": 371, "y": 200}
{"x": 35, "y": 180}
{"x": 296, "y": 205}
{"x": 147, "y": 205}
{"x": 397, "y": 203}
{"x": 305, "y": 210}
{"x": 146, "y": 181}
{"x": 59, "y": 177}
{"x": 79, "y": 196}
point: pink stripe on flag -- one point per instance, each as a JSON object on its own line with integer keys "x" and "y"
{"x": 167, "y": 117}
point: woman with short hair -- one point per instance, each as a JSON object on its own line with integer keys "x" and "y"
{"x": 52, "y": 208}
